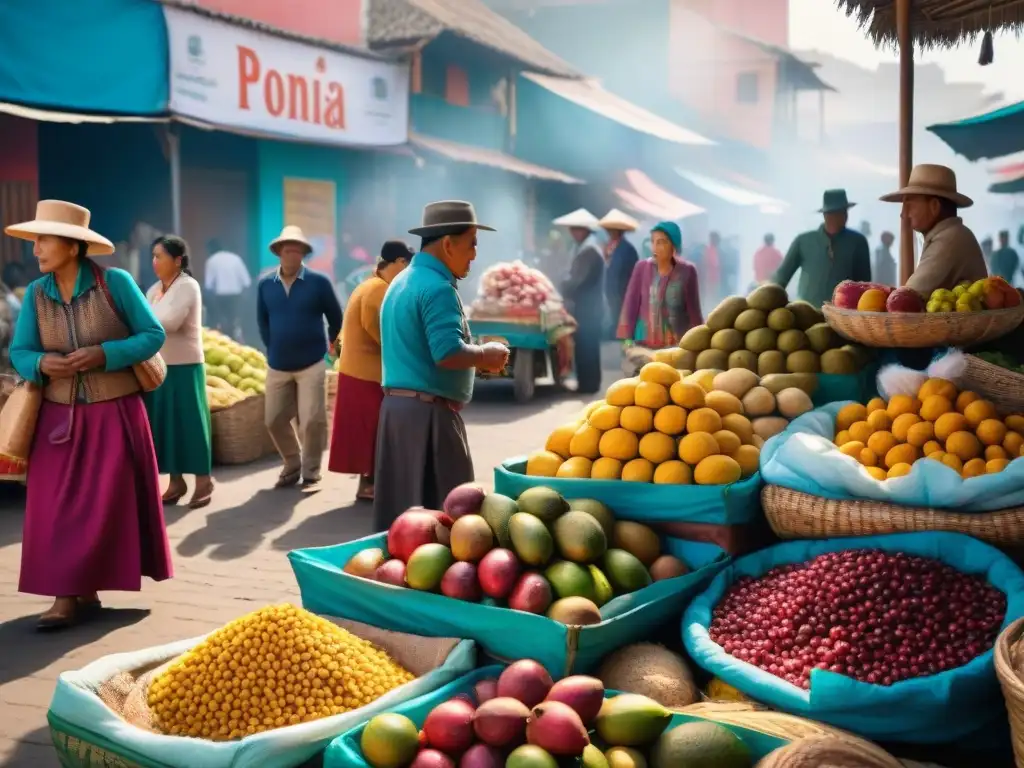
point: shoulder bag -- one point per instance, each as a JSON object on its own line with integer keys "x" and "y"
{"x": 18, "y": 418}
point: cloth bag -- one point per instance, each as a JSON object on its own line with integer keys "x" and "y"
{"x": 18, "y": 426}
{"x": 951, "y": 706}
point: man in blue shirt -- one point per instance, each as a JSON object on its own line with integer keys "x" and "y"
{"x": 292, "y": 303}
{"x": 429, "y": 364}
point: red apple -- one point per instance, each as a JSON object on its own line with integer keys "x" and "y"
{"x": 905, "y": 300}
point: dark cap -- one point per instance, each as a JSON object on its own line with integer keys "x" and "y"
{"x": 393, "y": 250}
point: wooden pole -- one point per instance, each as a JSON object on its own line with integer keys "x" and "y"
{"x": 906, "y": 42}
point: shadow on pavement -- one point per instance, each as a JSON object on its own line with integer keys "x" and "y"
{"x": 234, "y": 533}
{"x": 35, "y": 750}
{"x": 332, "y": 527}
{"x": 31, "y": 651}
{"x": 12, "y": 509}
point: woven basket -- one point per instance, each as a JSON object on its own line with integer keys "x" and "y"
{"x": 1004, "y": 388}
{"x": 796, "y": 515}
{"x": 922, "y": 329}
{"x": 1008, "y": 661}
{"x": 330, "y": 398}
{"x": 239, "y": 433}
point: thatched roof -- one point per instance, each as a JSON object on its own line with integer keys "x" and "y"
{"x": 936, "y": 23}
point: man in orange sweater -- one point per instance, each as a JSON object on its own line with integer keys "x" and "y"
{"x": 354, "y": 433}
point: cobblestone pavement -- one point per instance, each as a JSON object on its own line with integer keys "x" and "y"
{"x": 229, "y": 559}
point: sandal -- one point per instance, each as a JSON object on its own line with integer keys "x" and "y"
{"x": 171, "y": 498}
{"x": 51, "y": 622}
{"x": 198, "y": 502}
{"x": 289, "y": 479}
{"x": 365, "y": 493}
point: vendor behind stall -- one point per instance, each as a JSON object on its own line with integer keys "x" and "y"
{"x": 951, "y": 252}
{"x": 583, "y": 296}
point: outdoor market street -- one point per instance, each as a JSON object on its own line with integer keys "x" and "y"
{"x": 229, "y": 559}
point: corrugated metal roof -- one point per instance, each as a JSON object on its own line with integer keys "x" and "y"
{"x": 400, "y": 22}
{"x": 591, "y": 95}
{"x": 259, "y": 26}
{"x": 492, "y": 158}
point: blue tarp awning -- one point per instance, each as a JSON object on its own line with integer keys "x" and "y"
{"x": 993, "y": 134}
{"x": 107, "y": 56}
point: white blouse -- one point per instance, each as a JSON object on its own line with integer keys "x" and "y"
{"x": 180, "y": 312}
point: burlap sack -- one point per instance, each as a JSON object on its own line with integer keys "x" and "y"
{"x": 127, "y": 693}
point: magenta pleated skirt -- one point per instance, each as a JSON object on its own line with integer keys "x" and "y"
{"x": 354, "y": 432}
{"x": 94, "y": 520}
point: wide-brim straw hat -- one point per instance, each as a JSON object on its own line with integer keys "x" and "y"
{"x": 619, "y": 221}
{"x": 62, "y": 219}
{"x": 448, "y": 217}
{"x": 290, "y": 234}
{"x": 580, "y": 218}
{"x": 933, "y": 181}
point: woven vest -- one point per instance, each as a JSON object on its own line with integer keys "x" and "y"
{"x": 88, "y": 321}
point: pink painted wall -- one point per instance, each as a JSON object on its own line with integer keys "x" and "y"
{"x": 706, "y": 63}
{"x": 339, "y": 21}
{"x": 19, "y": 150}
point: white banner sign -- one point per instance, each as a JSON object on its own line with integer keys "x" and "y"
{"x": 239, "y": 78}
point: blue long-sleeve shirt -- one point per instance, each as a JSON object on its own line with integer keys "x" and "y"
{"x": 292, "y": 322}
{"x": 146, "y": 339}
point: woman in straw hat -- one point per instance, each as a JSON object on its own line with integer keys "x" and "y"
{"x": 179, "y": 413}
{"x": 663, "y": 299}
{"x": 620, "y": 257}
{"x": 93, "y": 518}
{"x": 354, "y": 433}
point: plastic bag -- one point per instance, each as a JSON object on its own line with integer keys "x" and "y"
{"x": 503, "y": 633}
{"x": 940, "y": 708}
{"x": 804, "y": 458}
{"x": 84, "y": 727}
{"x": 734, "y": 504}
{"x": 894, "y": 379}
{"x": 345, "y": 752}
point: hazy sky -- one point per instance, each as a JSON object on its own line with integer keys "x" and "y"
{"x": 811, "y": 21}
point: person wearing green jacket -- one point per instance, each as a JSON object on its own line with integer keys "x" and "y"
{"x": 828, "y": 255}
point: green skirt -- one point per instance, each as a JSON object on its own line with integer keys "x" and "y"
{"x": 179, "y": 416}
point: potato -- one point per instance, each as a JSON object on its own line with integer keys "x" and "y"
{"x": 793, "y": 402}
{"x": 736, "y": 382}
{"x": 769, "y": 426}
{"x": 758, "y": 402}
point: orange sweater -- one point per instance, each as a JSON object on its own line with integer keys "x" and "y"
{"x": 360, "y": 331}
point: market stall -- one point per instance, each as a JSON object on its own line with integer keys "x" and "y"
{"x": 519, "y": 307}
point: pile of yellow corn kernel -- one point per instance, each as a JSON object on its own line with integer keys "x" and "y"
{"x": 278, "y": 666}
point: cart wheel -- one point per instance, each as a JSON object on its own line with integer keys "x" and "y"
{"x": 522, "y": 375}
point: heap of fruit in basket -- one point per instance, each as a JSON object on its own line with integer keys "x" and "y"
{"x": 538, "y": 554}
{"x": 233, "y": 371}
{"x": 524, "y": 720}
{"x": 989, "y": 293}
{"x": 663, "y": 427}
{"x": 941, "y": 423}
{"x": 277, "y": 666}
{"x": 507, "y": 285}
{"x": 765, "y": 333}
{"x": 878, "y": 617}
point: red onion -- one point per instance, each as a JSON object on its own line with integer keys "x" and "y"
{"x": 877, "y": 617}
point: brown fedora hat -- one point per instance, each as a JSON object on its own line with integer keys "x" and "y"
{"x": 933, "y": 181}
{"x": 447, "y": 217}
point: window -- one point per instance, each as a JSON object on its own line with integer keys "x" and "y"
{"x": 746, "y": 88}
{"x": 456, "y": 86}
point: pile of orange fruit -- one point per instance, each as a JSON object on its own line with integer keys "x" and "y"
{"x": 960, "y": 429}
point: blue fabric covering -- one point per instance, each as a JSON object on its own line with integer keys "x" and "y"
{"x": 292, "y": 323}
{"x": 647, "y": 503}
{"x": 96, "y": 56}
{"x": 804, "y": 458}
{"x": 833, "y": 387}
{"x": 502, "y": 632}
{"x": 345, "y": 751}
{"x": 940, "y": 708}
{"x": 421, "y": 324}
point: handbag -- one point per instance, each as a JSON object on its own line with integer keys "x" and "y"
{"x": 18, "y": 426}
{"x": 150, "y": 373}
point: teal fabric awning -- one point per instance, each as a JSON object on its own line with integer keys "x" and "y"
{"x": 993, "y": 134}
{"x": 1011, "y": 187}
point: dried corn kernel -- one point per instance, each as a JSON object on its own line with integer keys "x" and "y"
{"x": 278, "y": 666}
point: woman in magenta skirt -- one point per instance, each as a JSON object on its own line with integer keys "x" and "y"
{"x": 93, "y": 518}
{"x": 354, "y": 434}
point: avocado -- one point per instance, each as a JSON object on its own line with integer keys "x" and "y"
{"x": 761, "y": 340}
{"x": 770, "y": 362}
{"x": 803, "y": 361}
{"x": 838, "y": 361}
{"x": 822, "y": 338}
{"x": 743, "y": 358}
{"x": 781, "y": 319}
{"x": 792, "y": 341}
{"x": 724, "y": 315}
{"x": 714, "y": 359}
{"x": 750, "y": 320}
{"x": 727, "y": 340}
{"x": 807, "y": 315}
{"x": 767, "y": 297}
{"x": 697, "y": 339}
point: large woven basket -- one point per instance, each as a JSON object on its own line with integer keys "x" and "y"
{"x": 1008, "y": 662}
{"x": 796, "y": 515}
{"x": 922, "y": 329}
{"x": 239, "y": 433}
{"x": 1004, "y": 388}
